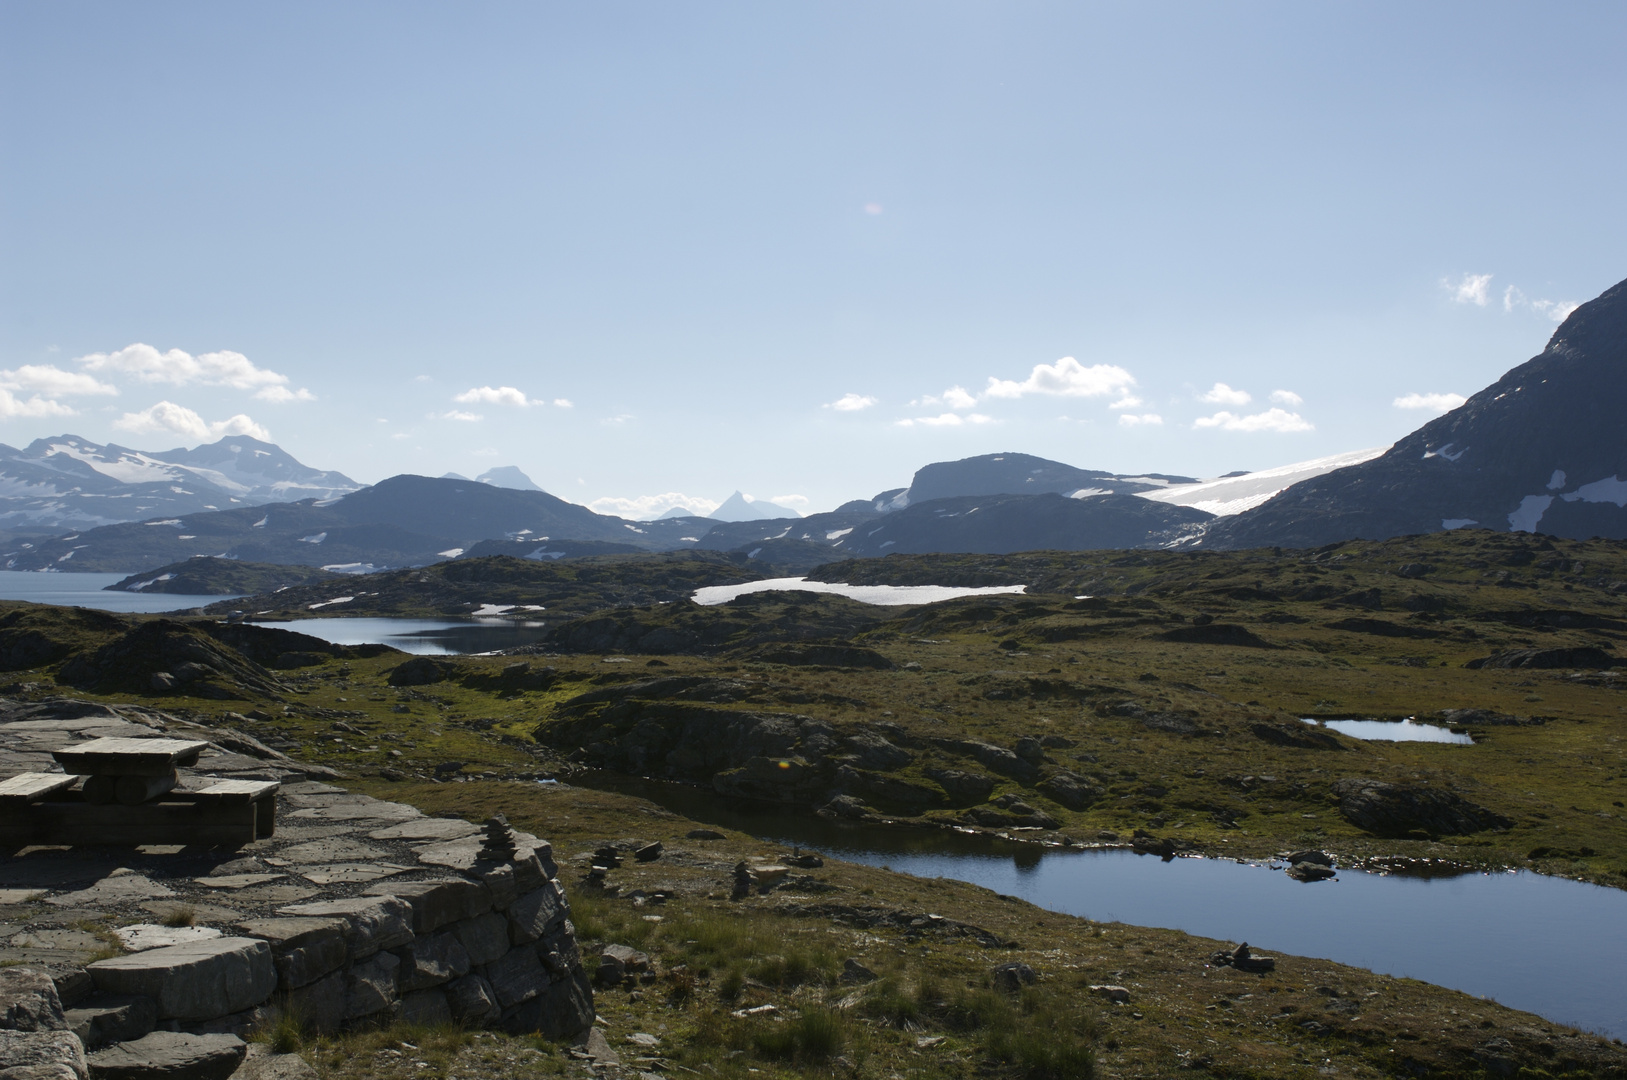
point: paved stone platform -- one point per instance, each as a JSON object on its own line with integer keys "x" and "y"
{"x": 356, "y": 911}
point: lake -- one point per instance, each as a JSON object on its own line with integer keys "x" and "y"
{"x": 1544, "y": 944}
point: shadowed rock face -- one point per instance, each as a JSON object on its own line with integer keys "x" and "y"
{"x": 1538, "y": 450}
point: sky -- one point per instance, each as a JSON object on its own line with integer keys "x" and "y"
{"x": 652, "y": 253}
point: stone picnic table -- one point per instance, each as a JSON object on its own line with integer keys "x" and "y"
{"x": 125, "y": 790}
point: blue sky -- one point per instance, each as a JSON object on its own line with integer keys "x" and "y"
{"x": 650, "y": 249}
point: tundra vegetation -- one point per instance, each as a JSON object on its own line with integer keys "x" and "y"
{"x": 1154, "y": 698}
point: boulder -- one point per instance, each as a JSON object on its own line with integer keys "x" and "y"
{"x": 196, "y": 981}
{"x": 533, "y": 914}
{"x": 1012, "y": 977}
{"x": 516, "y": 977}
{"x": 472, "y": 1000}
{"x": 170, "y": 1055}
{"x": 1585, "y": 656}
{"x": 855, "y": 972}
{"x": 430, "y": 961}
{"x": 1310, "y": 871}
{"x": 42, "y": 1055}
{"x": 1395, "y": 810}
{"x": 1118, "y": 995}
{"x": 29, "y": 1001}
{"x": 1071, "y": 790}
{"x": 275, "y": 1067}
{"x": 563, "y": 1011}
{"x": 964, "y": 788}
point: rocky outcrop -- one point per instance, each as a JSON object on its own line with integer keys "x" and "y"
{"x": 1397, "y": 810}
{"x": 1583, "y": 656}
{"x": 182, "y": 654}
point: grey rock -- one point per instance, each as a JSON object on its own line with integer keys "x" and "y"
{"x": 303, "y": 949}
{"x": 437, "y": 903}
{"x": 1030, "y": 750}
{"x": 430, "y": 961}
{"x": 533, "y": 914}
{"x": 196, "y": 981}
{"x": 563, "y": 1011}
{"x": 425, "y": 1007}
{"x": 472, "y": 1000}
{"x": 704, "y": 834}
{"x": 321, "y": 1004}
{"x": 371, "y": 922}
{"x": 370, "y": 985}
{"x": 501, "y": 886}
{"x": 1310, "y": 871}
{"x": 963, "y": 788}
{"x": 29, "y": 1001}
{"x": 1310, "y": 855}
{"x": 516, "y": 977}
{"x": 872, "y": 751}
{"x": 1071, "y": 790}
{"x": 1012, "y": 977}
{"x": 42, "y": 1055}
{"x": 484, "y": 938}
{"x": 649, "y": 852}
{"x": 170, "y": 1055}
{"x": 113, "y": 1018}
{"x": 1386, "y": 809}
{"x": 855, "y": 972}
{"x": 1118, "y": 995}
{"x": 275, "y": 1067}
{"x": 139, "y": 937}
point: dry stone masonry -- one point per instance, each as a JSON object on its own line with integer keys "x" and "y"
{"x": 355, "y": 911}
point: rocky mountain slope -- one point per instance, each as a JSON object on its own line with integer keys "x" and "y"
{"x": 1540, "y": 450}
{"x": 71, "y": 482}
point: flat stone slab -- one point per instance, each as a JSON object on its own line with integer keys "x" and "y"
{"x": 170, "y": 1055}
{"x": 331, "y": 850}
{"x": 463, "y": 854}
{"x": 371, "y": 922}
{"x": 238, "y": 881}
{"x": 427, "y": 829}
{"x": 196, "y": 981}
{"x": 351, "y": 873}
{"x": 18, "y": 896}
{"x": 112, "y": 1018}
{"x": 376, "y": 811}
{"x": 114, "y": 889}
{"x": 140, "y": 937}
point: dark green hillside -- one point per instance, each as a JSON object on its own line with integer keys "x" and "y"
{"x": 205, "y": 575}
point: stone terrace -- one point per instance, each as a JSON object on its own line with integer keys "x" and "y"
{"x": 356, "y": 910}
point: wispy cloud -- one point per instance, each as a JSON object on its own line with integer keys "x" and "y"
{"x": 563, "y": 403}
{"x": 1141, "y": 420}
{"x": 1288, "y": 398}
{"x": 1271, "y": 420}
{"x": 1470, "y": 289}
{"x": 644, "y": 507}
{"x": 166, "y": 416}
{"x": 1128, "y": 401}
{"x": 1557, "y": 310}
{"x": 851, "y": 403}
{"x": 616, "y": 421}
{"x": 947, "y": 419}
{"x": 466, "y": 417}
{"x": 1433, "y": 402}
{"x": 1065, "y": 378}
{"x": 180, "y": 368}
{"x": 1221, "y": 394}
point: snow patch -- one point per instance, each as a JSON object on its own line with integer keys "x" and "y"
{"x": 167, "y": 521}
{"x": 329, "y": 603}
{"x": 1085, "y": 493}
{"x": 450, "y": 553}
{"x": 261, "y": 523}
{"x": 1556, "y": 481}
{"x": 352, "y": 568}
{"x": 888, "y": 595}
{"x": 1224, "y": 496}
{"x": 1446, "y": 452}
{"x": 837, "y": 534}
{"x": 314, "y": 538}
{"x": 1610, "y": 490}
{"x": 1530, "y": 512}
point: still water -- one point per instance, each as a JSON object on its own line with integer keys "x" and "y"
{"x": 1395, "y": 731}
{"x": 85, "y": 590}
{"x": 1550, "y": 946}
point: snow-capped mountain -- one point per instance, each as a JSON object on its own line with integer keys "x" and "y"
{"x": 1228, "y": 495}
{"x": 71, "y": 482}
{"x": 1539, "y": 450}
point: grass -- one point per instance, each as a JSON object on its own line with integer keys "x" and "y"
{"x": 181, "y": 915}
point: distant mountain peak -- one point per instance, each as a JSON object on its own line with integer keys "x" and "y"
{"x": 742, "y": 507}
{"x": 507, "y": 476}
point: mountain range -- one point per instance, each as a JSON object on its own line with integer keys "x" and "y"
{"x": 1541, "y": 449}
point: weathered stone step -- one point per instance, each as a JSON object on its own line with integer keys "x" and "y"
{"x": 170, "y": 1055}
{"x": 196, "y": 981}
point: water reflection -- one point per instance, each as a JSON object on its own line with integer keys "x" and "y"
{"x": 88, "y": 591}
{"x": 422, "y": 637}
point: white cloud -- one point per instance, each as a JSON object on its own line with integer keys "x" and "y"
{"x": 1512, "y": 298}
{"x": 53, "y": 381}
{"x": 1433, "y": 402}
{"x": 1221, "y": 394}
{"x": 166, "y": 416}
{"x": 790, "y": 502}
{"x": 851, "y": 403}
{"x": 1470, "y": 290}
{"x": 1288, "y": 398}
{"x": 1557, "y": 310}
{"x": 1142, "y": 420}
{"x": 466, "y": 417}
{"x": 494, "y": 395}
{"x": 1270, "y": 420}
{"x": 1128, "y": 401}
{"x": 12, "y": 406}
{"x": 644, "y": 507}
{"x": 563, "y": 403}
{"x": 616, "y": 421}
{"x": 281, "y": 395}
{"x": 224, "y": 368}
{"x": 1066, "y": 378}
{"x": 947, "y": 419}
